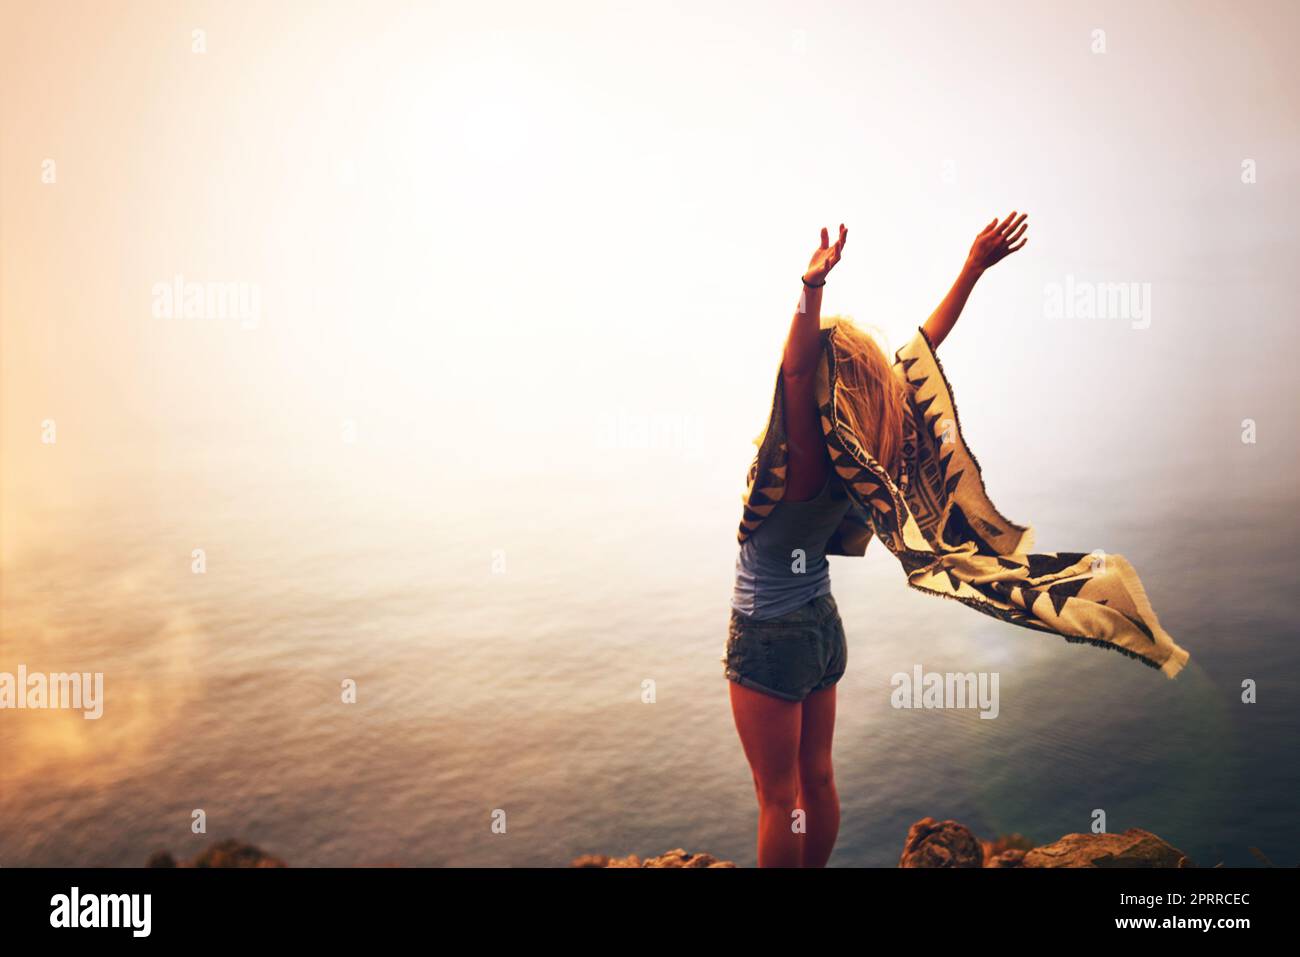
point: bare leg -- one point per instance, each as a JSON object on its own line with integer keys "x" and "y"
{"x": 817, "y": 794}
{"x": 769, "y": 733}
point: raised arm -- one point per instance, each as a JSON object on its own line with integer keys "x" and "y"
{"x": 807, "y": 460}
{"x": 995, "y": 242}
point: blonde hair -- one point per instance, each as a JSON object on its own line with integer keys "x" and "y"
{"x": 869, "y": 400}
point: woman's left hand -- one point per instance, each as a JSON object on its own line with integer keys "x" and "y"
{"x": 997, "y": 241}
{"x": 825, "y": 257}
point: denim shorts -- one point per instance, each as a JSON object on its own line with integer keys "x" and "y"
{"x": 789, "y": 656}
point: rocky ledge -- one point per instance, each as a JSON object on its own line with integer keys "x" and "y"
{"x": 929, "y": 843}
{"x": 674, "y": 858}
{"x": 227, "y": 853}
{"x": 932, "y": 843}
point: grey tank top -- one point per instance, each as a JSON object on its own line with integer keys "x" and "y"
{"x": 783, "y": 566}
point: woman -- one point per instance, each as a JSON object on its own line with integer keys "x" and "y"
{"x": 786, "y": 647}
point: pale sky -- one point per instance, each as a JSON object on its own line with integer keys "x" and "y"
{"x": 476, "y": 228}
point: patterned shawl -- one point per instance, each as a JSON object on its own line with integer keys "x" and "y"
{"x": 937, "y": 520}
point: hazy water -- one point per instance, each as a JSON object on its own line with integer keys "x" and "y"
{"x": 521, "y": 690}
{"x": 462, "y": 240}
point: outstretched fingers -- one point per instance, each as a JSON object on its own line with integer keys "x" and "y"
{"x": 1011, "y": 222}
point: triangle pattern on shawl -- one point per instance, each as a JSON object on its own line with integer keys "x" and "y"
{"x": 936, "y": 518}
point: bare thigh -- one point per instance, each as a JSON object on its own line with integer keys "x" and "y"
{"x": 817, "y": 722}
{"x": 769, "y": 730}
{"x": 785, "y": 739}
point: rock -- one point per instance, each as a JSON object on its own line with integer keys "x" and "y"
{"x": 674, "y": 858}
{"x": 679, "y": 858}
{"x": 950, "y": 844}
{"x": 1011, "y": 858}
{"x": 1134, "y": 848}
{"x": 1006, "y": 851}
{"x": 227, "y": 853}
{"x": 933, "y": 843}
{"x": 233, "y": 853}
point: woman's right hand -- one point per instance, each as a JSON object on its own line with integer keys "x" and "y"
{"x": 997, "y": 241}
{"x": 825, "y": 257}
